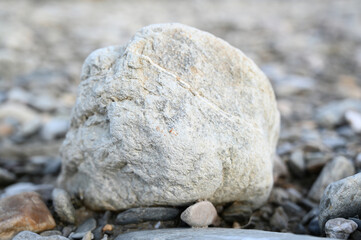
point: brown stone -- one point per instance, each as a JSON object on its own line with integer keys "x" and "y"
{"x": 25, "y": 211}
{"x": 107, "y": 227}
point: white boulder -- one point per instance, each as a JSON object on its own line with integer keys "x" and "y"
{"x": 174, "y": 116}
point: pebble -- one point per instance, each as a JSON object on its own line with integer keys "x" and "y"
{"x": 278, "y": 195}
{"x": 18, "y": 112}
{"x": 333, "y": 141}
{"x": 63, "y": 206}
{"x": 315, "y": 161}
{"x": 50, "y": 233}
{"x": 341, "y": 199}
{"x": 357, "y": 221}
{"x": 67, "y": 230}
{"x": 237, "y": 212}
{"x": 340, "y": 228}
{"x": 279, "y": 219}
{"x": 52, "y": 166}
{"x": 332, "y": 114}
{"x": 56, "y": 127}
{"x": 293, "y": 85}
{"x": 88, "y": 236}
{"x": 294, "y": 195}
{"x": 201, "y": 214}
{"x": 310, "y": 215}
{"x": 284, "y": 148}
{"x": 137, "y": 215}
{"x": 297, "y": 163}
{"x": 340, "y": 167}
{"x": 29, "y": 128}
{"x": 43, "y": 103}
{"x": 88, "y": 225}
{"x": 27, "y": 235}
{"x": 107, "y": 227}
{"x": 354, "y": 119}
{"x": 19, "y": 95}
{"x": 313, "y": 227}
{"x": 25, "y": 211}
{"x": 6, "y": 177}
{"x": 292, "y": 209}
{"x": 43, "y": 189}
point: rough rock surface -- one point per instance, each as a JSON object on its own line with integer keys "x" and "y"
{"x": 341, "y": 199}
{"x": 25, "y": 211}
{"x": 211, "y": 233}
{"x": 63, "y": 206}
{"x": 26, "y": 235}
{"x": 340, "y": 228}
{"x": 176, "y": 115}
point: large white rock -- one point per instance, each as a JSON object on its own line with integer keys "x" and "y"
{"x": 174, "y": 116}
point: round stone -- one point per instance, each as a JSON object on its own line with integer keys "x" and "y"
{"x": 174, "y": 116}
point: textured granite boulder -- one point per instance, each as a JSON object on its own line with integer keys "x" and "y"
{"x": 174, "y": 116}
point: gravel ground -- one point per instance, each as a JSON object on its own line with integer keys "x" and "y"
{"x": 310, "y": 50}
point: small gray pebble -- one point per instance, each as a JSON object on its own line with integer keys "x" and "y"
{"x": 137, "y": 215}
{"x": 50, "y": 233}
{"x": 313, "y": 227}
{"x": 67, "y": 230}
{"x": 339, "y": 228}
{"x": 88, "y": 225}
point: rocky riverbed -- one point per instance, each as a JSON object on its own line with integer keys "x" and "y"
{"x": 310, "y": 50}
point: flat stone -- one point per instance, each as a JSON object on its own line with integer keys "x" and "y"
{"x": 332, "y": 114}
{"x": 176, "y": 115}
{"x": 50, "y": 233}
{"x": 26, "y": 235}
{"x": 200, "y": 214}
{"x": 340, "y": 228}
{"x": 63, "y": 206}
{"x": 237, "y": 212}
{"x": 43, "y": 189}
{"x": 25, "y": 211}
{"x": 340, "y": 167}
{"x": 341, "y": 199}
{"x": 137, "y": 215}
{"x": 212, "y": 233}
{"x": 88, "y": 225}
